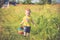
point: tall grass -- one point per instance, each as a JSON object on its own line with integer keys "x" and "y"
{"x": 45, "y": 16}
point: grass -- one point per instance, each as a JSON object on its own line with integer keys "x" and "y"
{"x": 45, "y": 16}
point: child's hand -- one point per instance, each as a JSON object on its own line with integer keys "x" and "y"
{"x": 21, "y": 23}
{"x": 22, "y": 27}
{"x": 35, "y": 25}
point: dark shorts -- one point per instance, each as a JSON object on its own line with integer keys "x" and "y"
{"x": 27, "y": 29}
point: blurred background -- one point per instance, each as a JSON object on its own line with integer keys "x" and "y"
{"x": 14, "y": 2}
{"x": 45, "y": 13}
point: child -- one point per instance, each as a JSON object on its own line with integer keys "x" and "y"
{"x": 27, "y": 22}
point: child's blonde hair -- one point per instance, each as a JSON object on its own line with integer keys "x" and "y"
{"x": 28, "y": 9}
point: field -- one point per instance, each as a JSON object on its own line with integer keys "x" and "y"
{"x": 47, "y": 18}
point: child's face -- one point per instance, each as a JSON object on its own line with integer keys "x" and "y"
{"x": 27, "y": 13}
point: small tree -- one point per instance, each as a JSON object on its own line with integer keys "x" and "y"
{"x": 27, "y": 1}
{"x": 45, "y": 1}
{"x": 53, "y": 1}
{"x": 42, "y": 1}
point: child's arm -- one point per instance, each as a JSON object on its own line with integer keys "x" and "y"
{"x": 35, "y": 25}
{"x": 33, "y": 22}
{"x": 21, "y": 22}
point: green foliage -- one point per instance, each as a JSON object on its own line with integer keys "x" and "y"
{"x": 45, "y": 16}
{"x": 27, "y": 2}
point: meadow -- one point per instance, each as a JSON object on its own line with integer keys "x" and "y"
{"x": 47, "y": 18}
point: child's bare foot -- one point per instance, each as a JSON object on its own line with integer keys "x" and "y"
{"x": 24, "y": 36}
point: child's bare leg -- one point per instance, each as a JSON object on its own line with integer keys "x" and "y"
{"x": 28, "y": 35}
{"x": 25, "y": 33}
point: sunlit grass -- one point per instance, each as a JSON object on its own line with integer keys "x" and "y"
{"x": 45, "y": 16}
